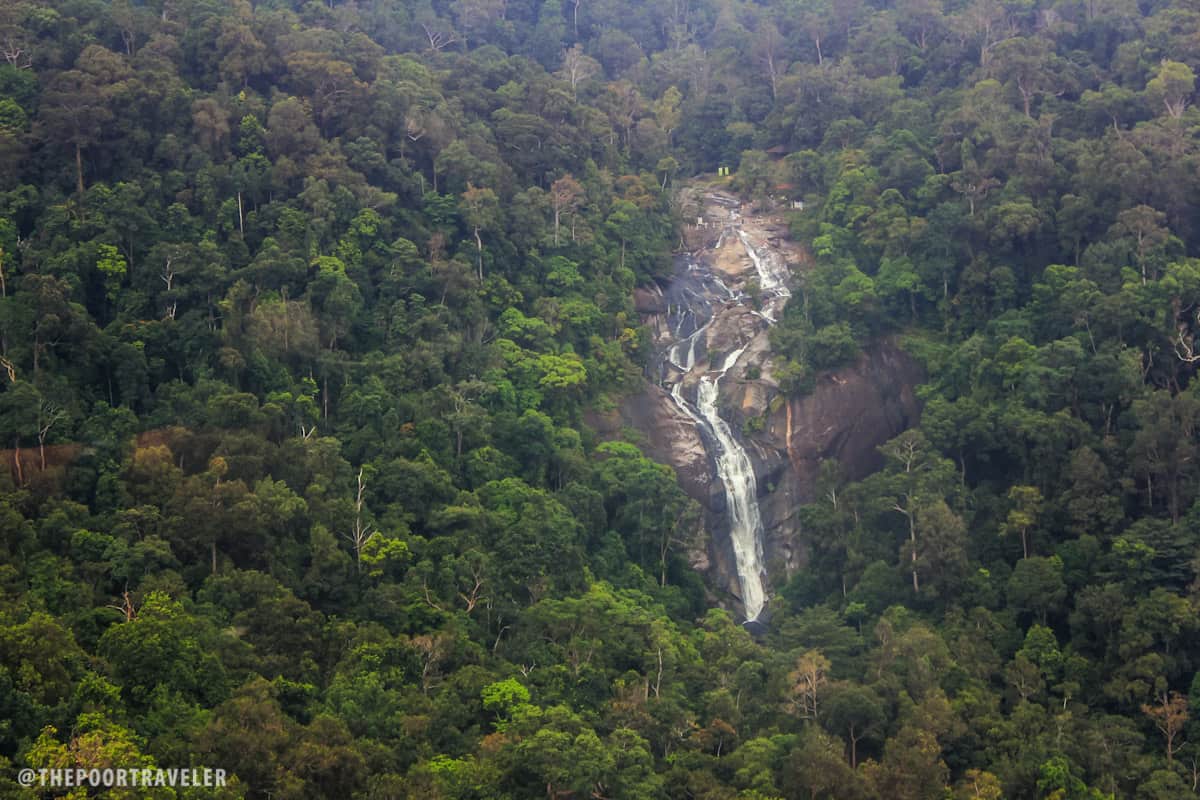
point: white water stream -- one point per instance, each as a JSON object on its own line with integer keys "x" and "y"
{"x": 741, "y": 491}
{"x": 772, "y": 276}
{"x": 696, "y": 298}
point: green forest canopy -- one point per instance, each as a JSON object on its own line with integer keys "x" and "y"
{"x": 302, "y": 305}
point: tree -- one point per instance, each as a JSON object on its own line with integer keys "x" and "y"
{"x": 478, "y": 18}
{"x": 290, "y": 131}
{"x": 1172, "y": 86}
{"x": 111, "y": 264}
{"x": 505, "y": 699}
{"x": 566, "y": 196}
{"x": 855, "y": 711}
{"x": 481, "y": 211}
{"x": 1163, "y": 451}
{"x": 1036, "y": 586}
{"x": 161, "y": 646}
{"x": 17, "y": 46}
{"x": 754, "y": 174}
{"x": 562, "y": 755}
{"x": 817, "y": 767}
{"x": 578, "y": 68}
{"x": 77, "y": 104}
{"x": 1024, "y": 677}
{"x": 768, "y": 48}
{"x": 439, "y": 35}
{"x": 331, "y": 85}
{"x": 360, "y": 532}
{"x": 533, "y": 538}
{"x": 978, "y": 784}
{"x": 912, "y": 767}
{"x": 1163, "y": 784}
{"x": 1090, "y": 499}
{"x": 1027, "y": 505}
{"x": 251, "y": 734}
{"x": 808, "y": 681}
{"x": 20, "y": 411}
{"x": 1028, "y": 63}
{"x": 211, "y": 124}
{"x": 338, "y": 298}
{"x": 942, "y": 553}
{"x": 644, "y": 504}
{"x": 243, "y": 55}
{"x": 815, "y": 21}
{"x": 95, "y": 743}
{"x": 1144, "y": 229}
{"x": 1057, "y": 780}
{"x": 1169, "y": 713}
{"x": 988, "y": 24}
{"x": 49, "y": 415}
{"x": 916, "y": 476}
{"x": 898, "y": 277}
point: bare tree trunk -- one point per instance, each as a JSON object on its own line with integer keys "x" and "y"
{"x": 79, "y": 167}
{"x": 912, "y": 537}
{"x": 479, "y": 250}
{"x": 17, "y": 463}
{"x": 360, "y": 533}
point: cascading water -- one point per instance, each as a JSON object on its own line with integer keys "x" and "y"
{"x": 772, "y": 276}
{"x": 694, "y": 299}
{"x": 741, "y": 491}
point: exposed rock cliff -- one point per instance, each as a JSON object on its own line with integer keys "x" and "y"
{"x": 847, "y": 416}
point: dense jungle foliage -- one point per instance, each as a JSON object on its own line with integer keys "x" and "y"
{"x": 302, "y": 306}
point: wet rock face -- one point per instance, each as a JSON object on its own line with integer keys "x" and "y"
{"x": 851, "y": 412}
{"x": 649, "y": 300}
{"x": 671, "y": 437}
{"x": 847, "y": 416}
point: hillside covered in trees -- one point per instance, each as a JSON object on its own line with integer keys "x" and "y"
{"x": 302, "y": 306}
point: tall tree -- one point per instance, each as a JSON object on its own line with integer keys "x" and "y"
{"x": 78, "y": 102}
{"x": 481, "y": 211}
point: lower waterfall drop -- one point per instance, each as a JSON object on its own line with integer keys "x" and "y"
{"x": 741, "y": 491}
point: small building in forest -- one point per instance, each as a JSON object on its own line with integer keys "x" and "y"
{"x": 787, "y": 193}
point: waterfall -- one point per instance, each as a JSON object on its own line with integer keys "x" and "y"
{"x": 699, "y": 296}
{"x": 741, "y": 491}
{"x": 695, "y": 298}
{"x": 772, "y": 276}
